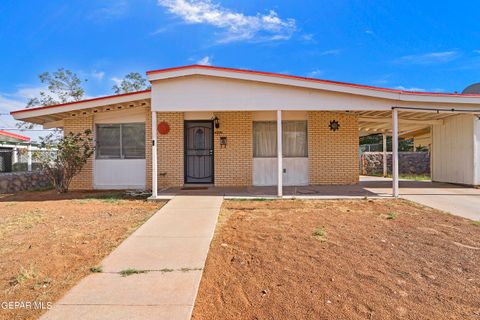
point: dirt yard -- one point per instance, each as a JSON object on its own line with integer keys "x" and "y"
{"x": 363, "y": 259}
{"x": 48, "y": 242}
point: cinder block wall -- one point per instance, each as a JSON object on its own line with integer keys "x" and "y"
{"x": 84, "y": 180}
{"x": 170, "y": 155}
{"x": 233, "y": 163}
{"x": 332, "y": 155}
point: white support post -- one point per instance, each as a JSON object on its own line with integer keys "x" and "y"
{"x": 279, "y": 154}
{"x": 15, "y": 155}
{"x": 154, "y": 155}
{"x": 29, "y": 159}
{"x": 385, "y": 169}
{"x": 395, "y": 186}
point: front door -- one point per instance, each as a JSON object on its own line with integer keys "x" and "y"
{"x": 198, "y": 151}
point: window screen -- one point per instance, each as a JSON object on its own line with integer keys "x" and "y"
{"x": 294, "y": 136}
{"x": 120, "y": 141}
{"x": 108, "y": 141}
{"x": 133, "y": 141}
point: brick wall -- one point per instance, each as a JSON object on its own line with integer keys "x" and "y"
{"x": 84, "y": 180}
{"x": 233, "y": 164}
{"x": 170, "y": 157}
{"x": 333, "y": 155}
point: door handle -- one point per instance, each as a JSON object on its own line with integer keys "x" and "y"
{"x": 210, "y": 152}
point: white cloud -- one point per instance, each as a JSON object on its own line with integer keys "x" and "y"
{"x": 205, "y": 61}
{"x": 309, "y": 37}
{"x": 110, "y": 9}
{"x": 98, "y": 74}
{"x": 236, "y": 25}
{"x": 8, "y": 104}
{"x": 476, "y": 51}
{"x": 158, "y": 31}
{"x": 315, "y": 73}
{"x": 409, "y": 89}
{"x": 332, "y": 52}
{"x": 118, "y": 81}
{"x": 431, "y": 57}
{"x": 369, "y": 32}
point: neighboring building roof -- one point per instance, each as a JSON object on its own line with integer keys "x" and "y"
{"x": 12, "y": 137}
{"x": 472, "y": 89}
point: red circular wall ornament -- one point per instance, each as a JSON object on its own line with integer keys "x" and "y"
{"x": 163, "y": 127}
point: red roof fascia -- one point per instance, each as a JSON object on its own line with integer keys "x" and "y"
{"x": 14, "y": 135}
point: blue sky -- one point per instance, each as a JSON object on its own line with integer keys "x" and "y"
{"x": 416, "y": 45}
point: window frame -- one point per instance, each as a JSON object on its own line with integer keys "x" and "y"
{"x": 121, "y": 155}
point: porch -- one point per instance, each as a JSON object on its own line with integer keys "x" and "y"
{"x": 456, "y": 199}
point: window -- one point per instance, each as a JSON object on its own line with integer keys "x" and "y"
{"x": 294, "y": 137}
{"x": 264, "y": 139}
{"x": 120, "y": 141}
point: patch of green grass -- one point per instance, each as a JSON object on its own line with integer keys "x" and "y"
{"x": 319, "y": 233}
{"x": 253, "y": 199}
{"x": 130, "y": 271}
{"x": 113, "y": 198}
{"x": 97, "y": 269}
{"x": 476, "y": 223}
{"x": 190, "y": 269}
{"x": 11, "y": 204}
{"x": 40, "y": 189}
{"x": 391, "y": 216}
{"x": 24, "y": 275}
{"x": 416, "y": 177}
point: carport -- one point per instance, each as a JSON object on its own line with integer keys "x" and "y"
{"x": 455, "y": 135}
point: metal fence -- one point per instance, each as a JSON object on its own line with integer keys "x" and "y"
{"x": 378, "y": 147}
{"x": 20, "y": 159}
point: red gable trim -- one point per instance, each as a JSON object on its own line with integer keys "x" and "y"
{"x": 81, "y": 101}
{"x": 14, "y": 135}
{"x": 279, "y": 75}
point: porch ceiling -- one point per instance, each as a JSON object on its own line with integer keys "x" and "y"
{"x": 372, "y": 122}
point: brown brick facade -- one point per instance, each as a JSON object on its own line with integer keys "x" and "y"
{"x": 84, "y": 180}
{"x": 233, "y": 163}
{"x": 333, "y": 155}
{"x": 170, "y": 161}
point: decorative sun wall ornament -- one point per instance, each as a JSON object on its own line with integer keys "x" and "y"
{"x": 334, "y": 125}
{"x": 163, "y": 127}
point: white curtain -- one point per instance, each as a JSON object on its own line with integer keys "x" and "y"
{"x": 294, "y": 138}
{"x": 264, "y": 139}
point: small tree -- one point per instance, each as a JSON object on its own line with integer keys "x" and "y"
{"x": 63, "y": 158}
{"x": 131, "y": 83}
{"x": 62, "y": 86}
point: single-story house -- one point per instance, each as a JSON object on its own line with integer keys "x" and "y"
{"x": 221, "y": 127}
{"x": 10, "y": 143}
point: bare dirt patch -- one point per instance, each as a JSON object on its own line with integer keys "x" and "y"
{"x": 48, "y": 242}
{"x": 364, "y": 259}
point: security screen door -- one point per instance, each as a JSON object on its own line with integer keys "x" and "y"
{"x": 198, "y": 151}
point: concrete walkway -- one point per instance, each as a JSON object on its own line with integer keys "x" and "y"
{"x": 172, "y": 246}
